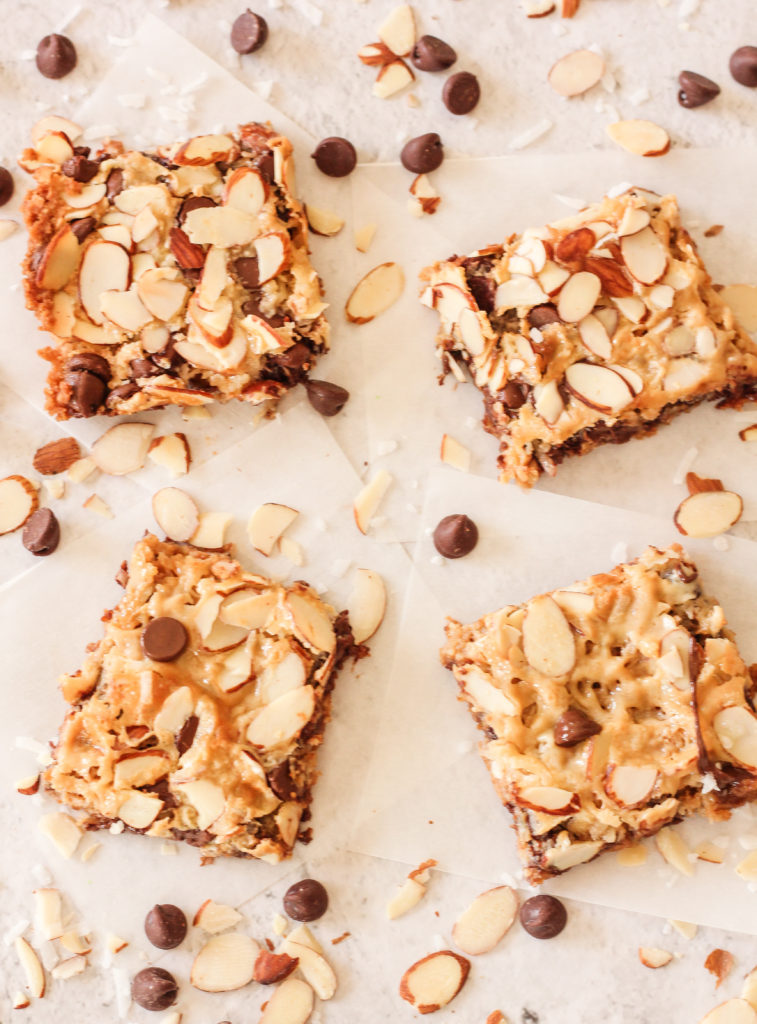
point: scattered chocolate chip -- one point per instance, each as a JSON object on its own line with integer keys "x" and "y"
{"x": 543, "y": 916}
{"x": 306, "y": 900}
{"x": 80, "y": 168}
{"x": 185, "y": 736}
{"x": 696, "y": 90}
{"x": 90, "y": 362}
{"x": 326, "y": 398}
{"x": 249, "y": 32}
{"x": 280, "y": 781}
{"x": 144, "y": 368}
{"x": 540, "y": 316}
{"x": 248, "y": 271}
{"x": 41, "y": 533}
{"x": 83, "y": 227}
{"x": 455, "y": 536}
{"x": 432, "y": 54}
{"x": 6, "y": 185}
{"x": 165, "y": 926}
{"x": 461, "y": 92}
{"x": 743, "y": 65}
{"x": 114, "y": 183}
{"x": 335, "y": 156}
{"x": 574, "y": 726}
{"x": 193, "y": 203}
{"x": 422, "y": 154}
{"x": 164, "y": 638}
{"x": 56, "y": 56}
{"x": 513, "y": 395}
{"x": 87, "y": 393}
{"x": 154, "y": 989}
{"x": 122, "y": 393}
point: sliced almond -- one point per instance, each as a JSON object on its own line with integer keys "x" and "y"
{"x": 207, "y": 799}
{"x": 486, "y": 921}
{"x": 247, "y": 608}
{"x": 736, "y": 729}
{"x": 749, "y": 988}
{"x": 710, "y": 852}
{"x": 397, "y": 30}
{"x": 54, "y": 123}
{"x": 225, "y": 963}
{"x": 245, "y": 190}
{"x": 520, "y": 292}
{"x": 449, "y": 301}
{"x": 123, "y": 449}
{"x": 323, "y": 222}
{"x": 454, "y": 454}
{"x": 59, "y": 260}
{"x": 644, "y": 138}
{"x": 369, "y": 499}
{"x": 634, "y": 219}
{"x": 62, "y": 831}
{"x": 21, "y": 1001}
{"x": 392, "y": 78}
{"x": 749, "y": 433}
{"x": 216, "y": 917}
{"x": 364, "y": 236}
{"x": 140, "y": 810}
{"x": 221, "y": 226}
{"x": 733, "y": 1011}
{"x": 549, "y": 800}
{"x": 578, "y": 296}
{"x": 314, "y": 967}
{"x": 644, "y": 255}
{"x": 632, "y": 856}
{"x": 290, "y": 1003}
{"x": 49, "y": 912}
{"x": 675, "y": 851}
{"x": 708, "y": 513}
{"x": 32, "y": 967}
{"x": 367, "y": 604}
{"x": 206, "y": 149}
{"x": 161, "y": 294}
{"x": 486, "y": 695}
{"x": 630, "y": 785}
{"x": 87, "y": 196}
{"x": 375, "y": 54}
{"x": 105, "y": 267}
{"x": 97, "y": 505}
{"x": 69, "y": 968}
{"x": 599, "y": 387}
{"x": 280, "y": 677}
{"x": 125, "y": 310}
{"x": 594, "y": 336}
{"x": 434, "y": 981}
{"x": 562, "y": 858}
{"x": 742, "y": 299}
{"x": 267, "y": 524}
{"x": 237, "y": 669}
{"x": 631, "y": 377}
{"x": 273, "y": 252}
{"x": 675, "y": 657}
{"x": 141, "y": 768}
{"x": 18, "y": 499}
{"x": 175, "y": 513}
{"x": 576, "y": 72}
{"x": 211, "y": 531}
{"x": 409, "y": 895}
{"x": 548, "y": 401}
{"x": 172, "y": 452}
{"x": 176, "y": 709}
{"x": 283, "y": 719}
{"x": 271, "y": 968}
{"x": 375, "y": 293}
{"x": 651, "y": 956}
{"x": 548, "y": 642}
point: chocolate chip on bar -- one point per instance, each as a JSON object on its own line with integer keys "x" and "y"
{"x": 206, "y": 701}
{"x": 603, "y": 706}
{"x": 198, "y": 249}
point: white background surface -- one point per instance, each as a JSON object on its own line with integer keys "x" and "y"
{"x": 309, "y": 71}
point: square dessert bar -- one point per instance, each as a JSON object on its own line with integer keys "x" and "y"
{"x": 178, "y": 277}
{"x": 609, "y": 709}
{"x": 589, "y": 331}
{"x": 198, "y": 715}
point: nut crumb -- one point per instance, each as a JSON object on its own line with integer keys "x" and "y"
{"x": 713, "y": 230}
{"x": 340, "y": 938}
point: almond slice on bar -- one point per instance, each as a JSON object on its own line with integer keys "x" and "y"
{"x": 367, "y": 604}
{"x": 548, "y": 642}
{"x": 708, "y": 513}
{"x": 323, "y": 222}
{"x": 651, "y": 956}
{"x": 434, "y": 981}
{"x": 578, "y": 296}
{"x": 576, "y": 72}
{"x": 397, "y": 30}
{"x": 486, "y": 921}
{"x": 644, "y": 255}
{"x": 175, "y": 513}
{"x": 644, "y": 138}
{"x": 375, "y": 293}
{"x": 736, "y": 729}
{"x": 18, "y": 499}
{"x": 599, "y": 387}
{"x": 123, "y": 449}
{"x": 290, "y": 1003}
{"x": 369, "y": 499}
{"x": 32, "y": 967}
{"x": 267, "y": 524}
{"x": 742, "y": 299}
{"x": 733, "y": 1011}
{"x": 225, "y": 963}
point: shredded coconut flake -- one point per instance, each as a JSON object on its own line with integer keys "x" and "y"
{"x": 531, "y": 135}
{"x": 685, "y": 465}
{"x": 572, "y": 202}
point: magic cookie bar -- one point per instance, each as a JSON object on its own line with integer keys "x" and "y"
{"x": 589, "y": 331}
{"x": 609, "y": 709}
{"x": 175, "y": 277}
{"x": 198, "y": 715}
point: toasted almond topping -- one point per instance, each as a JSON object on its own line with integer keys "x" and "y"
{"x": 367, "y": 604}
{"x": 548, "y": 642}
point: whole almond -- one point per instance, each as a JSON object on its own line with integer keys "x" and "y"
{"x": 56, "y": 456}
{"x": 188, "y": 255}
{"x": 612, "y": 276}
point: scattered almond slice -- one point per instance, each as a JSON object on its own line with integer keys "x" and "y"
{"x": 367, "y": 604}
{"x": 21, "y": 1001}
{"x": 568, "y": 8}
{"x": 736, "y": 728}
{"x": 49, "y": 912}
{"x": 216, "y": 917}
{"x": 409, "y": 895}
{"x": 644, "y": 138}
{"x": 397, "y": 30}
{"x": 651, "y": 956}
{"x": 69, "y": 968}
{"x": 375, "y": 293}
{"x": 114, "y": 943}
{"x": 314, "y": 967}
{"x": 172, "y": 452}
{"x": 81, "y": 470}
{"x": 685, "y": 928}
{"x": 291, "y": 550}
{"x": 742, "y": 299}
{"x": 97, "y": 505}
{"x": 267, "y": 523}
{"x": 323, "y": 222}
{"x": 56, "y": 456}
{"x": 18, "y": 499}
{"x": 720, "y": 964}
{"x": 674, "y": 850}
{"x": 733, "y": 1011}
{"x": 123, "y": 449}
{"x": 425, "y": 197}
{"x": 225, "y": 963}
{"x": 375, "y": 54}
{"x": 56, "y": 488}
{"x": 211, "y": 530}
{"x": 747, "y": 868}
{"x": 175, "y": 513}
{"x": 7, "y": 228}
{"x": 708, "y": 513}
{"x": 369, "y": 499}
{"x": 28, "y": 786}
{"x": 80, "y": 945}
{"x": 486, "y": 921}
{"x": 538, "y": 8}
{"x": 364, "y": 236}
{"x": 62, "y": 831}
{"x": 710, "y": 852}
{"x": 576, "y": 72}
{"x": 30, "y": 962}
{"x": 433, "y": 982}
{"x": 455, "y": 454}
{"x": 749, "y": 433}
{"x": 271, "y": 968}
{"x": 290, "y": 1003}
{"x": 749, "y": 988}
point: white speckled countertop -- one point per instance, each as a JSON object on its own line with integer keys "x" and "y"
{"x": 308, "y": 69}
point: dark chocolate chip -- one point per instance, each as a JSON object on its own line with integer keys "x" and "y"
{"x": 294, "y": 358}
{"x": 455, "y": 536}
{"x": 335, "y": 156}
{"x": 247, "y": 270}
{"x": 91, "y": 362}
{"x": 87, "y": 393}
{"x": 540, "y": 316}
{"x": 164, "y": 638}
{"x": 56, "y": 56}
{"x": 185, "y": 736}
{"x": 513, "y": 395}
{"x": 483, "y": 290}
{"x": 265, "y": 164}
{"x": 249, "y": 32}
{"x": 80, "y": 168}
{"x": 573, "y": 727}
{"x": 280, "y": 781}
{"x": 432, "y": 54}
{"x": 114, "y": 183}
{"x": 165, "y": 926}
{"x": 193, "y": 836}
{"x": 154, "y": 989}
{"x": 696, "y": 90}
{"x": 326, "y": 398}
{"x": 306, "y": 900}
{"x": 743, "y": 65}
{"x": 423, "y": 153}
{"x": 82, "y": 227}
{"x": 193, "y": 203}
{"x": 144, "y": 368}
{"x": 543, "y": 916}
{"x": 41, "y": 533}
{"x": 6, "y": 185}
{"x": 461, "y": 92}
{"x": 122, "y": 393}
